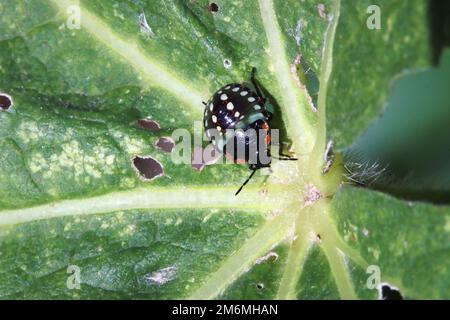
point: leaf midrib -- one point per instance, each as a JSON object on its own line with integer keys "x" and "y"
{"x": 152, "y": 71}
{"x": 149, "y": 198}
{"x": 294, "y": 106}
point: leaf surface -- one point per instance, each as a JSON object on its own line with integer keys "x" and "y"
{"x": 71, "y": 198}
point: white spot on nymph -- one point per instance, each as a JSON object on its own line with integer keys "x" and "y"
{"x": 244, "y": 93}
{"x": 219, "y": 92}
{"x": 211, "y": 107}
{"x": 242, "y": 117}
{"x": 251, "y": 99}
{"x": 257, "y": 107}
{"x": 227, "y": 88}
{"x": 214, "y": 119}
{"x": 206, "y": 112}
{"x": 206, "y": 123}
{"x": 230, "y": 106}
{"x": 237, "y": 114}
{"x": 223, "y": 97}
{"x": 219, "y": 128}
{"x": 236, "y": 89}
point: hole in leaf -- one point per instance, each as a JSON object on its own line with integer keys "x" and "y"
{"x": 148, "y": 168}
{"x": 148, "y": 124}
{"x": 388, "y": 292}
{"x": 213, "y": 7}
{"x": 260, "y": 286}
{"x": 227, "y": 63}
{"x": 5, "y": 101}
{"x": 165, "y": 144}
{"x": 311, "y": 81}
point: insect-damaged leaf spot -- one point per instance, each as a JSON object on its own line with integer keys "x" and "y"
{"x": 213, "y": 7}
{"x": 260, "y": 286}
{"x": 148, "y": 124}
{"x": 5, "y": 102}
{"x": 161, "y": 276}
{"x": 270, "y": 257}
{"x": 388, "y": 292}
{"x": 148, "y": 168}
{"x": 166, "y": 144}
{"x": 227, "y": 63}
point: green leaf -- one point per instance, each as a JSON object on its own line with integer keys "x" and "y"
{"x": 74, "y": 207}
{"x": 366, "y": 61}
{"x": 407, "y": 241}
{"x": 412, "y": 136}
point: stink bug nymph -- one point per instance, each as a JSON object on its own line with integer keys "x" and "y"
{"x": 240, "y": 107}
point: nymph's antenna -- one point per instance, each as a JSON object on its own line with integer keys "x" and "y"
{"x": 246, "y": 181}
{"x": 285, "y": 158}
{"x": 251, "y": 175}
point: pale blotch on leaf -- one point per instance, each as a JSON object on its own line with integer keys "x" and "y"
{"x": 312, "y": 195}
{"x": 161, "y": 276}
{"x": 263, "y": 192}
{"x": 145, "y": 27}
{"x": 84, "y": 163}
{"x": 298, "y": 32}
{"x": 130, "y": 145}
{"x": 30, "y": 132}
{"x": 365, "y": 232}
{"x": 270, "y": 257}
{"x": 149, "y": 124}
{"x": 166, "y": 144}
{"x": 321, "y": 9}
{"x": 148, "y": 168}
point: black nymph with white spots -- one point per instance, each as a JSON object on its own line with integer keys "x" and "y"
{"x": 240, "y": 107}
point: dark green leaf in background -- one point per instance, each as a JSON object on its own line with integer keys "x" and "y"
{"x": 411, "y": 139}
